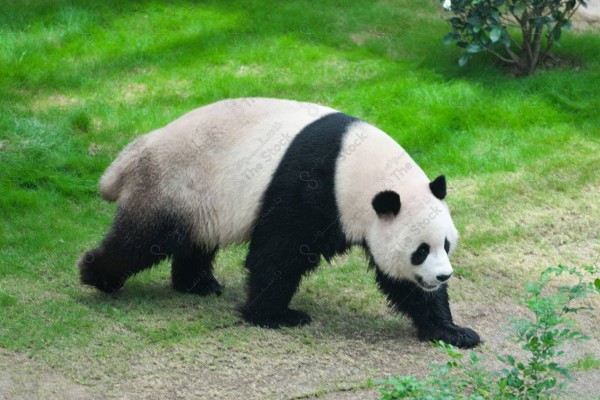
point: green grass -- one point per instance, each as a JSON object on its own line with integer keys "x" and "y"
{"x": 587, "y": 363}
{"x": 79, "y": 80}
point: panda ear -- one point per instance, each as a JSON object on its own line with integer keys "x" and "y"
{"x": 438, "y": 187}
{"x": 386, "y": 202}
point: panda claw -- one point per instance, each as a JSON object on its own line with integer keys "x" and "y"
{"x": 455, "y": 335}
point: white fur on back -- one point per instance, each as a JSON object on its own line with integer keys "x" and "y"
{"x": 212, "y": 165}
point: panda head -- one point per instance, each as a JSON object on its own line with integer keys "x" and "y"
{"x": 412, "y": 239}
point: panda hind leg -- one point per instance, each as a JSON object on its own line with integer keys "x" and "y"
{"x": 102, "y": 268}
{"x": 131, "y": 246}
{"x": 273, "y": 280}
{"x": 192, "y": 271}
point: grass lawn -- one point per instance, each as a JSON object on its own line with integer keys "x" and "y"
{"x": 79, "y": 80}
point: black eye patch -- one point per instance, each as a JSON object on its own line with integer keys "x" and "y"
{"x": 446, "y": 245}
{"x": 420, "y": 255}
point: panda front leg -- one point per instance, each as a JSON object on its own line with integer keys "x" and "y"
{"x": 430, "y": 311}
{"x": 275, "y": 274}
{"x": 192, "y": 271}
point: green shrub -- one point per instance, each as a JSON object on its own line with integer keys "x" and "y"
{"x": 538, "y": 376}
{"x": 491, "y": 25}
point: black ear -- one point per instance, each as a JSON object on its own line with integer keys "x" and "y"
{"x": 386, "y": 202}
{"x": 438, "y": 187}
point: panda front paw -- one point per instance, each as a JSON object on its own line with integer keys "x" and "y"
{"x": 455, "y": 335}
{"x": 288, "y": 318}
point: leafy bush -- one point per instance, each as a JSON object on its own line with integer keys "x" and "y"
{"x": 489, "y": 25}
{"x": 536, "y": 377}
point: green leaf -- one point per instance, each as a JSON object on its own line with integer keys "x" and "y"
{"x": 597, "y": 283}
{"x": 448, "y": 38}
{"x": 495, "y": 16}
{"x": 519, "y": 9}
{"x": 556, "y": 33}
{"x": 462, "y": 61}
{"x": 495, "y": 34}
{"x": 474, "y": 20}
{"x": 473, "y": 48}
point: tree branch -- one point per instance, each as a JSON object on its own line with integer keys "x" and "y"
{"x": 507, "y": 60}
{"x": 537, "y": 42}
{"x": 515, "y": 58}
{"x": 509, "y": 22}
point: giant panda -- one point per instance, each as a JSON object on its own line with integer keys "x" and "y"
{"x": 298, "y": 181}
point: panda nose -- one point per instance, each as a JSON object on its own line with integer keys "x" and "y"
{"x": 443, "y": 278}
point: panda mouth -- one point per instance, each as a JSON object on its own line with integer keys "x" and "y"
{"x": 426, "y": 286}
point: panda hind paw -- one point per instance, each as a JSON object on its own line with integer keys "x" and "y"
{"x": 455, "y": 335}
{"x": 289, "y": 318}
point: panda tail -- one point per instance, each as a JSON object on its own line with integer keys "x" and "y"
{"x": 113, "y": 180}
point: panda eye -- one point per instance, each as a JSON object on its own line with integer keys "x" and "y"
{"x": 419, "y": 256}
{"x": 446, "y": 245}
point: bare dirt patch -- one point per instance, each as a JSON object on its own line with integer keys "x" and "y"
{"x": 23, "y": 378}
{"x": 133, "y": 92}
{"x": 46, "y": 102}
{"x": 280, "y": 365}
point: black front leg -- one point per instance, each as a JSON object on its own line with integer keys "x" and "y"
{"x": 430, "y": 311}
